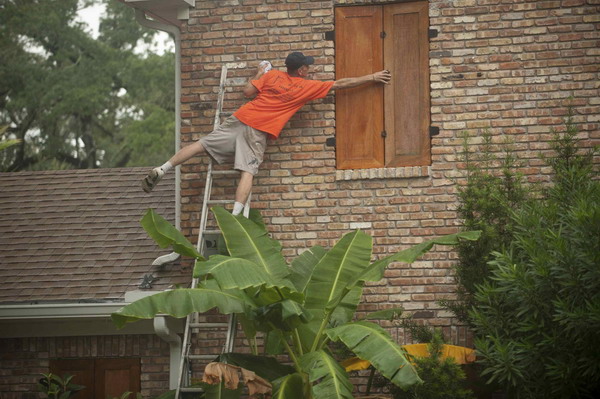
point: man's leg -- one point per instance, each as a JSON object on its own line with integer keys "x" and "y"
{"x": 187, "y": 152}
{"x": 243, "y": 192}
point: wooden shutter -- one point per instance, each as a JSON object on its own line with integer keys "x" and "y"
{"x": 81, "y": 369}
{"x": 359, "y": 111}
{"x": 116, "y": 376}
{"x": 406, "y": 55}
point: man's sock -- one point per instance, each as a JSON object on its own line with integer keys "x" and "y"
{"x": 167, "y": 166}
{"x": 238, "y": 207}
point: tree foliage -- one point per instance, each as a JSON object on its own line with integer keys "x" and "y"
{"x": 537, "y": 315}
{"x": 76, "y": 101}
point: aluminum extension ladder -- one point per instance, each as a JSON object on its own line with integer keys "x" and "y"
{"x": 192, "y": 321}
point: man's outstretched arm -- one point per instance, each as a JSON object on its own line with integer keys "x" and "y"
{"x": 347, "y": 83}
{"x": 249, "y": 90}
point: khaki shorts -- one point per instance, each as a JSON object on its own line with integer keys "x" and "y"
{"x": 233, "y": 139}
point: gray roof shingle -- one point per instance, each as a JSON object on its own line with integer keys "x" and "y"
{"x": 75, "y": 235}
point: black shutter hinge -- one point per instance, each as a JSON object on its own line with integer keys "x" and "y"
{"x": 383, "y": 35}
{"x": 383, "y": 134}
{"x": 330, "y": 35}
{"x": 330, "y": 142}
{"x": 433, "y": 33}
{"x": 434, "y": 131}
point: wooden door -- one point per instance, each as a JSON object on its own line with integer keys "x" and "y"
{"x": 102, "y": 377}
{"x": 116, "y": 376}
{"x": 81, "y": 369}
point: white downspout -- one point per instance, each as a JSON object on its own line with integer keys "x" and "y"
{"x": 162, "y": 330}
{"x": 160, "y": 322}
{"x": 140, "y": 16}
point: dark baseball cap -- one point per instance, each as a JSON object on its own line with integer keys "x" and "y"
{"x": 296, "y": 59}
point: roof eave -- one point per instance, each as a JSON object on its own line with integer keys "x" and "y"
{"x": 171, "y": 12}
{"x": 59, "y": 311}
{"x": 69, "y": 310}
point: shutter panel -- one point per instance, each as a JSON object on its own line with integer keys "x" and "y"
{"x": 359, "y": 111}
{"x": 406, "y": 55}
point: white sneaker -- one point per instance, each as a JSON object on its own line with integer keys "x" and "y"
{"x": 153, "y": 177}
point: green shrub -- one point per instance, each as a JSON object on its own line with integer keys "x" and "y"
{"x": 537, "y": 316}
{"x": 491, "y": 190}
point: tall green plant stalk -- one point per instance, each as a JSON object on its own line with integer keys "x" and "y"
{"x": 304, "y": 305}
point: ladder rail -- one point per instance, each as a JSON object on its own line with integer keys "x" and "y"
{"x": 192, "y": 319}
{"x": 200, "y": 245}
{"x": 220, "y": 97}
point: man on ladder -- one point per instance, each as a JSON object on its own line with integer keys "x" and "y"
{"x": 277, "y": 97}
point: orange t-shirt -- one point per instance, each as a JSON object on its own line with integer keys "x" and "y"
{"x": 279, "y": 97}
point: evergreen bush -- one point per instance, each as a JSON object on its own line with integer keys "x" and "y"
{"x": 537, "y": 315}
{"x": 492, "y": 189}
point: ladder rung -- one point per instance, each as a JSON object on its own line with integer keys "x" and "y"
{"x": 225, "y": 172}
{"x": 221, "y": 202}
{"x": 216, "y": 231}
{"x": 202, "y": 357}
{"x": 208, "y": 325}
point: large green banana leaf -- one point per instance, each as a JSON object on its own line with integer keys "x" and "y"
{"x": 267, "y": 295}
{"x": 348, "y": 258}
{"x": 248, "y": 325}
{"x": 375, "y": 271}
{"x": 344, "y": 312}
{"x": 283, "y": 315}
{"x": 257, "y": 218}
{"x": 166, "y": 235}
{"x": 273, "y": 343}
{"x": 247, "y": 240}
{"x": 308, "y": 332}
{"x": 235, "y": 273}
{"x": 333, "y": 382}
{"x": 303, "y": 266}
{"x": 181, "y": 302}
{"x": 289, "y": 387}
{"x": 371, "y": 342}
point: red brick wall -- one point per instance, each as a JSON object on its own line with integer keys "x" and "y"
{"x": 23, "y": 360}
{"x": 507, "y": 66}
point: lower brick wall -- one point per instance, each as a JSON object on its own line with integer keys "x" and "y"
{"x": 22, "y": 360}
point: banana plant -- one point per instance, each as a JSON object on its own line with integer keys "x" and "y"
{"x": 299, "y": 308}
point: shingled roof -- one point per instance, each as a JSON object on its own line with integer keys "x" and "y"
{"x": 75, "y": 235}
